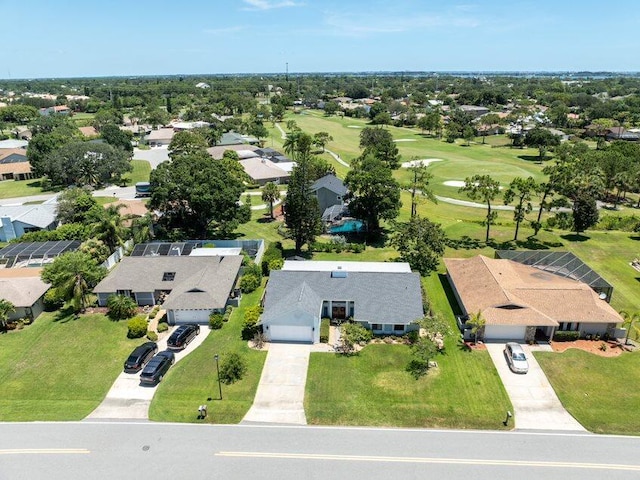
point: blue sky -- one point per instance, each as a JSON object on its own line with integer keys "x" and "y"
{"x": 70, "y": 38}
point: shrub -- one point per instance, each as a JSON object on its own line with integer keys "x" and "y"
{"x": 253, "y": 269}
{"x": 413, "y": 336}
{"x": 259, "y": 340}
{"x": 417, "y": 367}
{"x": 216, "y": 321}
{"x": 273, "y": 252}
{"x": 569, "y": 336}
{"x": 250, "y": 327}
{"x": 137, "y": 327}
{"x": 154, "y": 312}
{"x": 276, "y": 264}
{"x": 232, "y": 369}
{"x": 121, "y": 307}
{"x": 249, "y": 283}
{"x": 352, "y": 334}
{"x": 151, "y": 335}
{"x": 324, "y": 330}
{"x": 53, "y": 300}
{"x": 227, "y": 313}
{"x": 162, "y": 327}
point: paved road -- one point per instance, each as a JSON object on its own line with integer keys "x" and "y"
{"x": 69, "y": 451}
{"x": 280, "y": 395}
{"x": 535, "y": 403}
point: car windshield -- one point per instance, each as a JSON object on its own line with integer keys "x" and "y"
{"x": 519, "y": 356}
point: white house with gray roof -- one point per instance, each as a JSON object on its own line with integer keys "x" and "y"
{"x": 383, "y": 297}
{"x": 191, "y": 288}
{"x": 16, "y": 220}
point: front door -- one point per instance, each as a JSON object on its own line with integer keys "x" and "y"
{"x": 339, "y": 310}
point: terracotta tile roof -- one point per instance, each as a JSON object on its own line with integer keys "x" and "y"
{"x": 88, "y": 131}
{"x": 509, "y": 293}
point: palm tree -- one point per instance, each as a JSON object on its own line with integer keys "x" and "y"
{"x": 109, "y": 228}
{"x": 477, "y": 322}
{"x": 270, "y": 193}
{"x": 6, "y": 307}
{"x": 630, "y": 322}
{"x": 290, "y": 144}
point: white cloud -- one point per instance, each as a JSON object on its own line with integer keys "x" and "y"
{"x": 269, "y": 4}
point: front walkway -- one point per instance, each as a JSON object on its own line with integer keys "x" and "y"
{"x": 128, "y": 399}
{"x": 280, "y": 395}
{"x": 536, "y": 405}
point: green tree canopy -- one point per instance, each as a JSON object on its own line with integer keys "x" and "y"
{"x": 74, "y": 274}
{"x": 187, "y": 143}
{"x": 374, "y": 193}
{"x": 486, "y": 189}
{"x": 520, "y": 190}
{"x": 378, "y": 142}
{"x": 86, "y": 163}
{"x": 301, "y": 212}
{"x": 270, "y": 194}
{"x": 421, "y": 243}
{"x": 197, "y": 196}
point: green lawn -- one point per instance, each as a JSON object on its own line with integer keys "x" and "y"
{"x": 373, "y": 388}
{"x": 20, "y": 188}
{"x": 191, "y": 381}
{"x": 140, "y": 173}
{"x": 602, "y": 393}
{"x": 60, "y": 368}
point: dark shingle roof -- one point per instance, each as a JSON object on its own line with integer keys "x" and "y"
{"x": 380, "y": 297}
{"x": 330, "y": 182}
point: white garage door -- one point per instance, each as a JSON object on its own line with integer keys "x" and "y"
{"x": 283, "y": 333}
{"x": 504, "y": 332}
{"x": 191, "y": 316}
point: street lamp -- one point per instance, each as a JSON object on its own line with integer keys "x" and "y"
{"x": 218, "y": 371}
{"x": 215, "y": 357}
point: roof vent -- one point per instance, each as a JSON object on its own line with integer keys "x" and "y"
{"x": 338, "y": 274}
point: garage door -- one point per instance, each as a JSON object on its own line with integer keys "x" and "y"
{"x": 282, "y": 333}
{"x": 504, "y": 332}
{"x": 191, "y": 316}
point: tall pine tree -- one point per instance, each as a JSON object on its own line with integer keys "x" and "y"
{"x": 301, "y": 211}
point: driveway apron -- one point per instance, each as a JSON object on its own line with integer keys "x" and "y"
{"x": 128, "y": 399}
{"x": 535, "y": 403}
{"x": 280, "y": 395}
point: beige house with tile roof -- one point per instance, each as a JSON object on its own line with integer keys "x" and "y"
{"x": 519, "y": 301}
{"x": 24, "y": 289}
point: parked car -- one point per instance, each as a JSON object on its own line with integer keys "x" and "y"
{"x": 140, "y": 356}
{"x": 516, "y": 358}
{"x": 157, "y": 367}
{"x": 183, "y": 336}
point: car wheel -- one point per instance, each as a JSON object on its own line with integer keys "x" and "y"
{"x": 160, "y": 378}
{"x": 197, "y": 330}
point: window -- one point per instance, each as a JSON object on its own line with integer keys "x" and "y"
{"x": 376, "y": 326}
{"x": 398, "y": 328}
{"x": 168, "y": 276}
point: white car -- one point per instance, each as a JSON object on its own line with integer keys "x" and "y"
{"x": 516, "y": 358}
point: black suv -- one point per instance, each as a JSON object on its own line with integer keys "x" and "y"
{"x": 157, "y": 367}
{"x": 183, "y": 336}
{"x": 140, "y": 356}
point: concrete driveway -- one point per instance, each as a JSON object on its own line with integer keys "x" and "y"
{"x": 128, "y": 399}
{"x": 535, "y": 403}
{"x": 280, "y": 395}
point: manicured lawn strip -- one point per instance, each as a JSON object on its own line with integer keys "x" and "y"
{"x": 601, "y": 393}
{"x": 191, "y": 381}
{"x": 140, "y": 173}
{"x": 373, "y": 388}
{"x": 59, "y": 368}
{"x": 20, "y": 188}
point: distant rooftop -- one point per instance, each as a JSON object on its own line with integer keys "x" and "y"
{"x": 330, "y": 266}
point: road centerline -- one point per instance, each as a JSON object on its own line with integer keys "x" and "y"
{"x": 450, "y": 461}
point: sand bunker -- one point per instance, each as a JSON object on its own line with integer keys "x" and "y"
{"x": 458, "y": 184}
{"x": 405, "y": 140}
{"x": 425, "y": 162}
{"x": 454, "y": 183}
